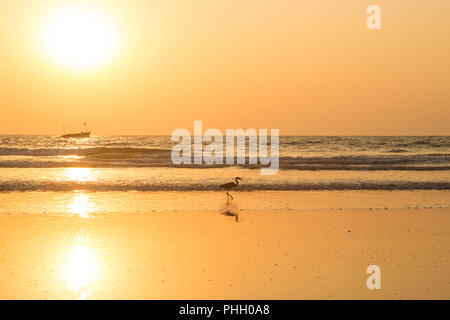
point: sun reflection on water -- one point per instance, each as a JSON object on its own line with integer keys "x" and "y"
{"x": 81, "y": 268}
{"x": 79, "y": 174}
{"x": 81, "y": 205}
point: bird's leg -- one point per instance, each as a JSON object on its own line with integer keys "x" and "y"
{"x": 230, "y": 196}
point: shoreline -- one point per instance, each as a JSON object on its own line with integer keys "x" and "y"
{"x": 100, "y": 203}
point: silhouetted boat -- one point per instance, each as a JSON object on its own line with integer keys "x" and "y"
{"x": 77, "y": 135}
{"x": 83, "y": 134}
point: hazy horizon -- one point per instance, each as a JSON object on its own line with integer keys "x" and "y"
{"x": 304, "y": 68}
{"x": 281, "y": 135}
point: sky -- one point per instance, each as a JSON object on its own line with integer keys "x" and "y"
{"x": 304, "y": 67}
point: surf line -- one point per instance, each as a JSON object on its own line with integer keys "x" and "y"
{"x": 213, "y": 153}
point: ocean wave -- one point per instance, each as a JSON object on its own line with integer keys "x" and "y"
{"x": 368, "y": 160}
{"x": 63, "y": 186}
{"x": 154, "y": 163}
{"x": 397, "y": 151}
{"x": 141, "y": 157}
{"x": 162, "y": 159}
{"x": 79, "y": 151}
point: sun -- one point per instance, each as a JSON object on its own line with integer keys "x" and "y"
{"x": 80, "y": 37}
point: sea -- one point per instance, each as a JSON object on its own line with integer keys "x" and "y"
{"x": 124, "y": 165}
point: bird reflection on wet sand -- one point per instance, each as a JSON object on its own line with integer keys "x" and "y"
{"x": 231, "y": 211}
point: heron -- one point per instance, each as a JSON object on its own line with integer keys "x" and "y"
{"x": 230, "y": 185}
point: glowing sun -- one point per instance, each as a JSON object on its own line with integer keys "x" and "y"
{"x": 80, "y": 37}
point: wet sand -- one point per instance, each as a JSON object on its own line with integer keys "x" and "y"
{"x": 321, "y": 254}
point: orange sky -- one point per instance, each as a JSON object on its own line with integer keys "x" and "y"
{"x": 305, "y": 67}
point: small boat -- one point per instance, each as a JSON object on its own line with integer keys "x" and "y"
{"x": 83, "y": 134}
{"x": 77, "y": 135}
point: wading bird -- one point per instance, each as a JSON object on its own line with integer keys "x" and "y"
{"x": 230, "y": 185}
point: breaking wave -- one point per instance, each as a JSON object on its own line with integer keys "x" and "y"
{"x": 123, "y": 157}
{"x": 96, "y": 186}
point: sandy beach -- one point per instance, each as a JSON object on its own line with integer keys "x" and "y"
{"x": 267, "y": 254}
